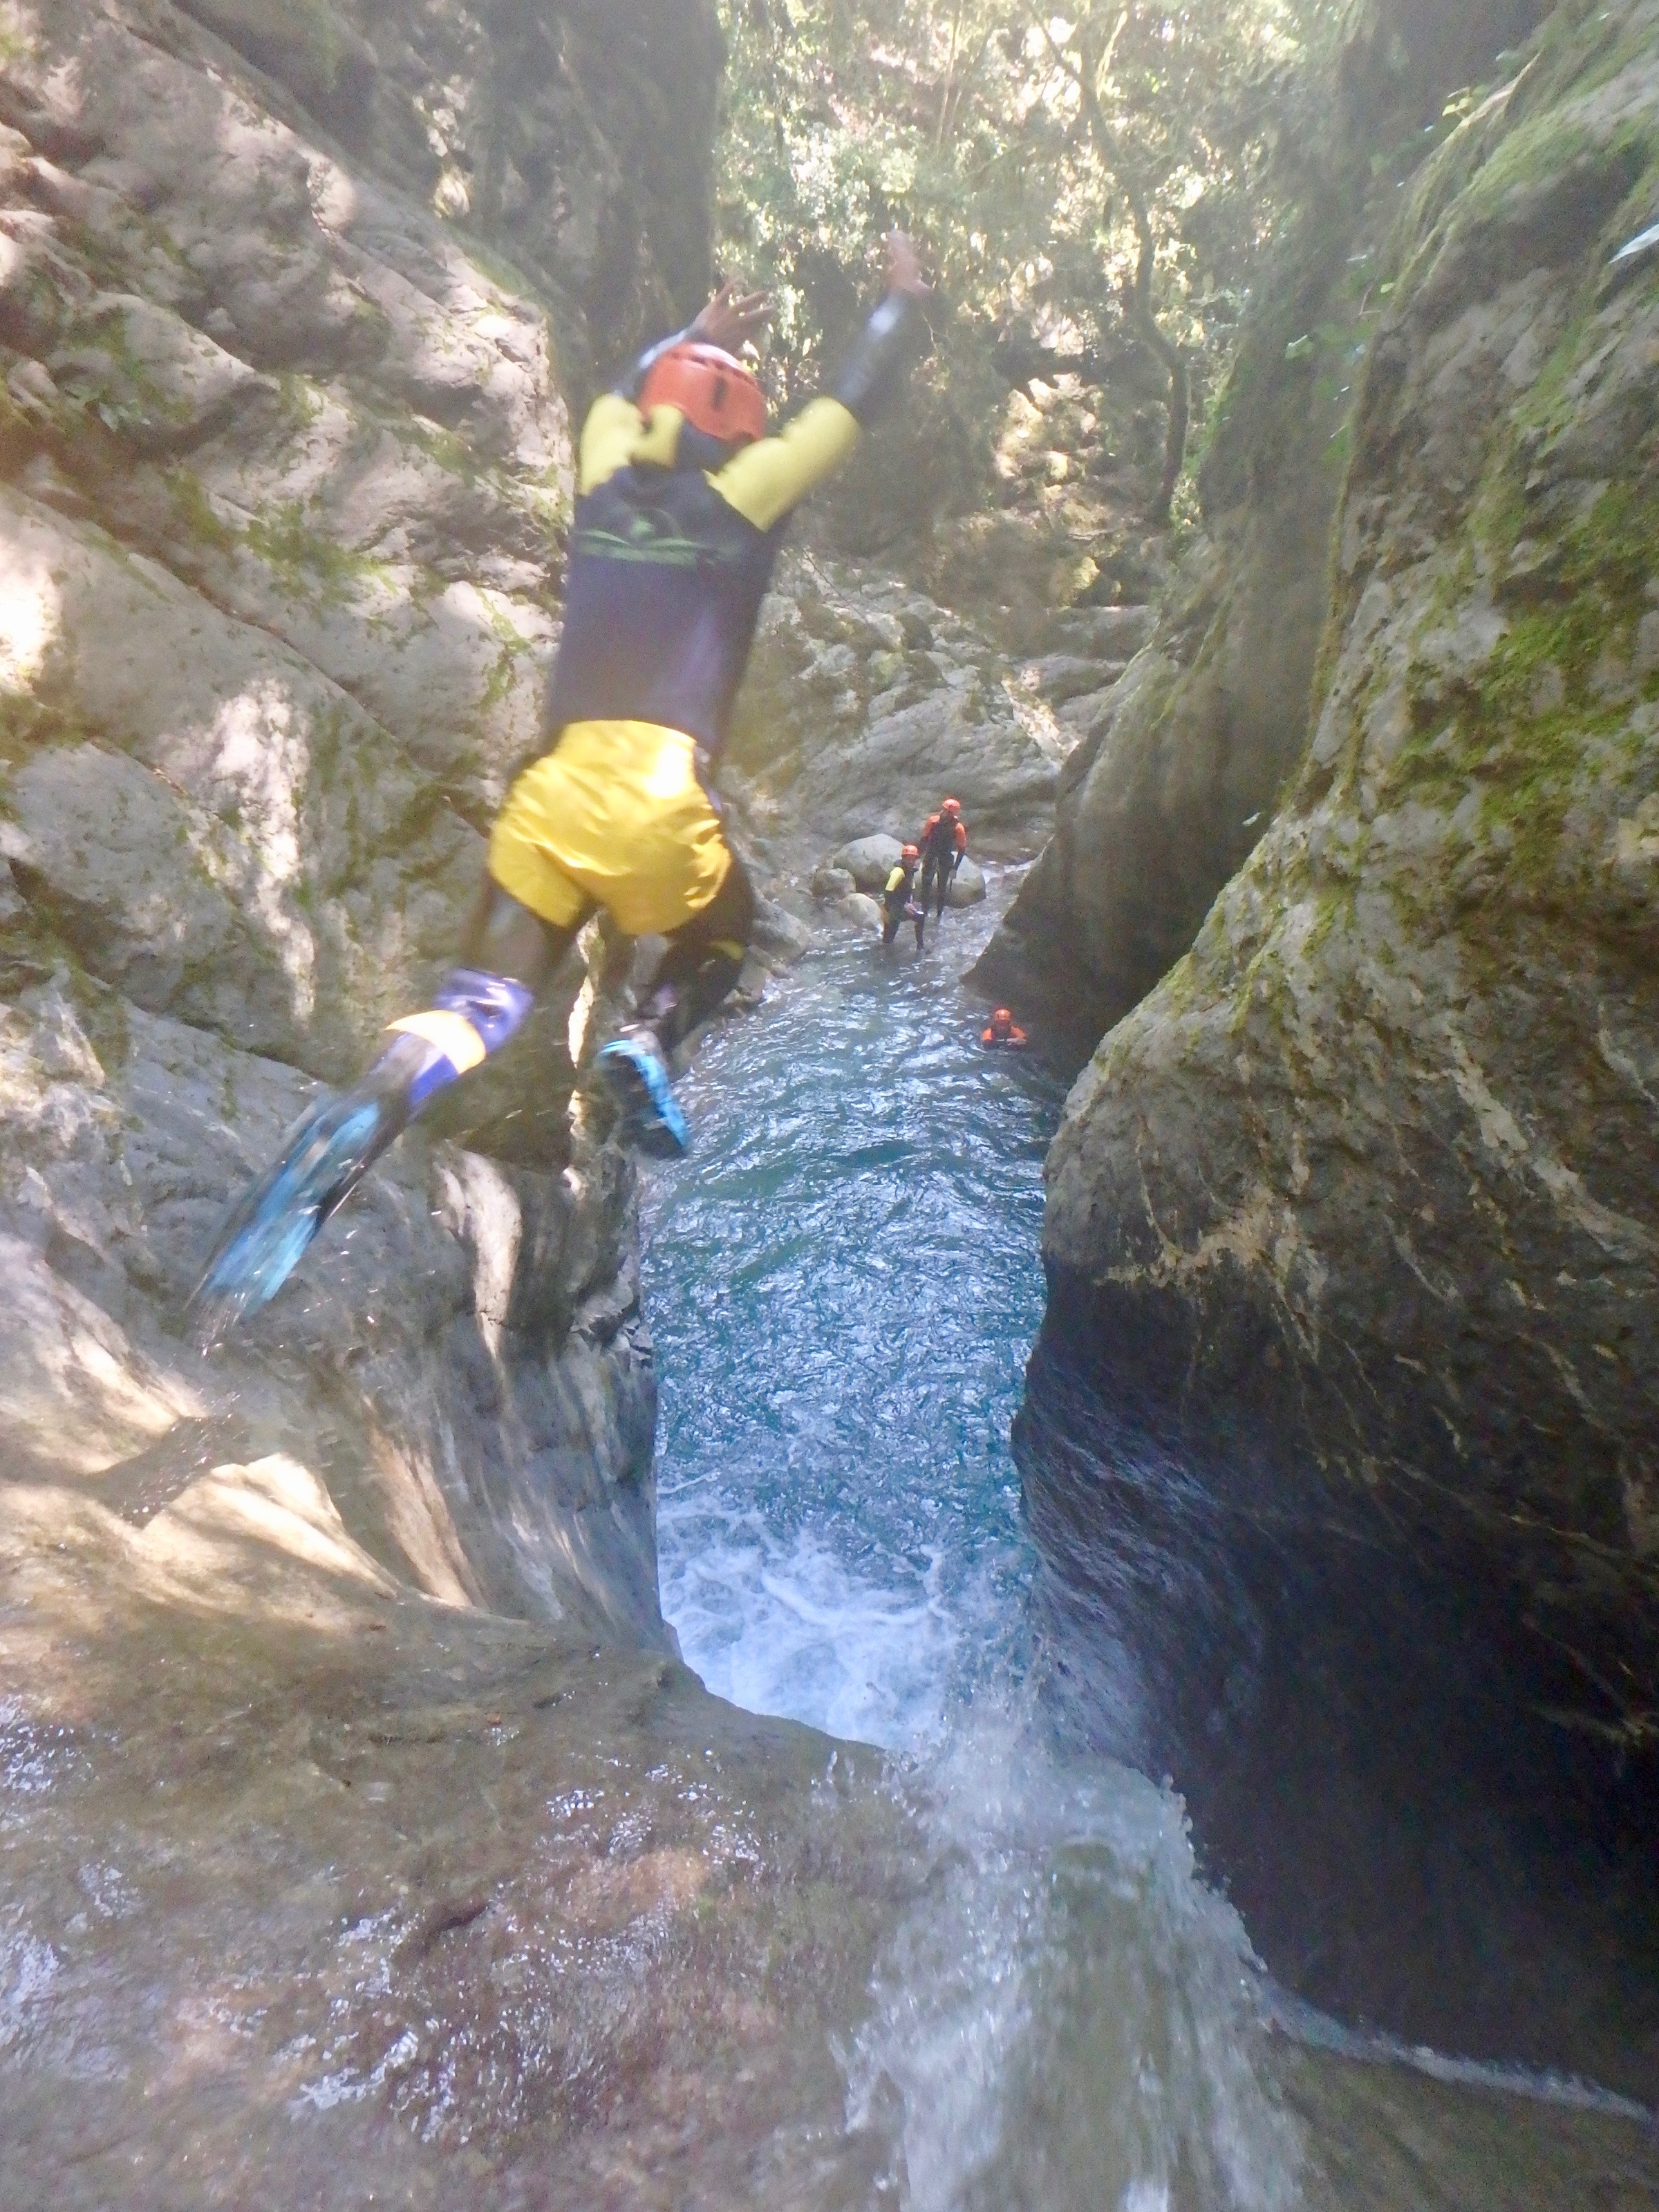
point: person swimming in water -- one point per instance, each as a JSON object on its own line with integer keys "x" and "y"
{"x": 1003, "y": 1032}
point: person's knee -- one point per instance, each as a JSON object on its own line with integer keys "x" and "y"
{"x": 504, "y": 936}
{"x": 719, "y": 930}
{"x": 727, "y": 922}
{"x": 704, "y": 959}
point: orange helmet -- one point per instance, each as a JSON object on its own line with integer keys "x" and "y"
{"x": 911, "y": 852}
{"x": 1002, "y": 1019}
{"x": 950, "y": 806}
{"x": 712, "y": 390}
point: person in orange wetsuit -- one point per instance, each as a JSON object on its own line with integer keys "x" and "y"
{"x": 942, "y": 842}
{"x": 1003, "y": 1032}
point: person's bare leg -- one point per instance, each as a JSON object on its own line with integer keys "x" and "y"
{"x": 697, "y": 973}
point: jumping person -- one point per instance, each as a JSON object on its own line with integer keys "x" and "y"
{"x": 680, "y": 502}
{"x": 944, "y": 841}
{"x": 898, "y": 899}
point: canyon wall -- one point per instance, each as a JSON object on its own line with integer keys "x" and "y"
{"x": 286, "y": 446}
{"x": 1184, "y": 759}
{"x": 1350, "y": 1233}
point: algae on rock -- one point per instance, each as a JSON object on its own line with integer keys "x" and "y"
{"x": 1379, "y": 1156}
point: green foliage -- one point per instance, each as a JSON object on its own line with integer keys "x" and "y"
{"x": 1017, "y": 145}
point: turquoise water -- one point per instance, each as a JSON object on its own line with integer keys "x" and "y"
{"x": 843, "y": 1287}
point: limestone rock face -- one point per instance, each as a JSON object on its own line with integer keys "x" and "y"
{"x": 866, "y": 704}
{"x": 577, "y": 140}
{"x": 284, "y": 464}
{"x": 1366, "y": 1186}
{"x": 1181, "y": 747}
{"x": 1180, "y": 762}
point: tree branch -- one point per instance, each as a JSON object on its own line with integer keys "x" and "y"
{"x": 1174, "y": 360}
{"x": 1137, "y": 298}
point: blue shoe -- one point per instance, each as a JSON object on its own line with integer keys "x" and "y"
{"x": 266, "y": 1234}
{"x": 633, "y": 1072}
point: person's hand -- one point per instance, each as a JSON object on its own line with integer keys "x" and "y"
{"x": 732, "y": 318}
{"x": 905, "y": 267}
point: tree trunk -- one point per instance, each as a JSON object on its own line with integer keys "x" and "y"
{"x": 1139, "y": 305}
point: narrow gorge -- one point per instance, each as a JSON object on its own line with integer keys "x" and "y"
{"x": 1047, "y": 1630}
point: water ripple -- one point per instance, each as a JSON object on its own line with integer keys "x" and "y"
{"x": 843, "y": 1287}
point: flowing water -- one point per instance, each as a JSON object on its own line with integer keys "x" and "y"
{"x": 317, "y": 1893}
{"x": 844, "y": 1286}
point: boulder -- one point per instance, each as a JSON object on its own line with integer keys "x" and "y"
{"x": 830, "y": 883}
{"x": 861, "y": 910}
{"x": 968, "y": 885}
{"x": 869, "y": 860}
{"x": 778, "y": 933}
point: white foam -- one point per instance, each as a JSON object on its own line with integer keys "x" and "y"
{"x": 783, "y": 1625}
{"x": 1070, "y": 2016}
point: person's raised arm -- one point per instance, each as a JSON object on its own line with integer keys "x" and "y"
{"x": 765, "y": 480}
{"x": 728, "y": 319}
{"x": 866, "y": 377}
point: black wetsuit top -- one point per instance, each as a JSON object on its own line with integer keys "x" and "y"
{"x": 674, "y": 539}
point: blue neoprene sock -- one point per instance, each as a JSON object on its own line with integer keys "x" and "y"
{"x": 472, "y": 1014}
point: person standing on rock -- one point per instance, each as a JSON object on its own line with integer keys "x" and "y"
{"x": 898, "y": 902}
{"x": 681, "y": 503}
{"x": 944, "y": 841}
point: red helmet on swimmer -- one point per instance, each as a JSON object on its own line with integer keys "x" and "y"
{"x": 711, "y": 388}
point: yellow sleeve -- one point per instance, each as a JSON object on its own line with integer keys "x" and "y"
{"x": 895, "y": 879}
{"x": 766, "y": 479}
{"x": 608, "y": 437}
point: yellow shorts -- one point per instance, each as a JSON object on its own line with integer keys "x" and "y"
{"x": 613, "y": 816}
